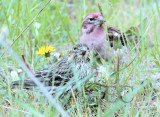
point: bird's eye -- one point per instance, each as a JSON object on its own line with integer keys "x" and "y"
{"x": 74, "y": 48}
{"x": 91, "y": 19}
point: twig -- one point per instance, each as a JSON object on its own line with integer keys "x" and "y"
{"x": 27, "y": 64}
{"x": 73, "y": 96}
{"x": 118, "y": 70}
{"x": 100, "y": 9}
{"x": 27, "y": 27}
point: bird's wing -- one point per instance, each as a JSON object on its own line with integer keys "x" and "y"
{"x": 64, "y": 72}
{"x": 113, "y": 32}
{"x": 114, "y": 35}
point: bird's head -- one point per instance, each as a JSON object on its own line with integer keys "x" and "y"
{"x": 80, "y": 53}
{"x": 93, "y": 23}
{"x": 94, "y": 19}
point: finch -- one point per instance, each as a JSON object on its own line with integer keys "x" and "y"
{"x": 77, "y": 63}
{"x": 93, "y": 34}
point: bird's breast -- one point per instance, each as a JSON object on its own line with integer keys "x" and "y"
{"x": 95, "y": 39}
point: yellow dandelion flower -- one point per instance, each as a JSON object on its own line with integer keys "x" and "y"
{"x": 45, "y": 50}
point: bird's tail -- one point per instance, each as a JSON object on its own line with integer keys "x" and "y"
{"x": 30, "y": 85}
{"x": 133, "y": 33}
{"x": 26, "y": 84}
{"x": 132, "y": 39}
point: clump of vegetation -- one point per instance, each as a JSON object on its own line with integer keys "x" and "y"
{"x": 121, "y": 88}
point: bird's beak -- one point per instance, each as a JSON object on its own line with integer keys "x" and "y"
{"x": 100, "y": 21}
{"x": 83, "y": 52}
